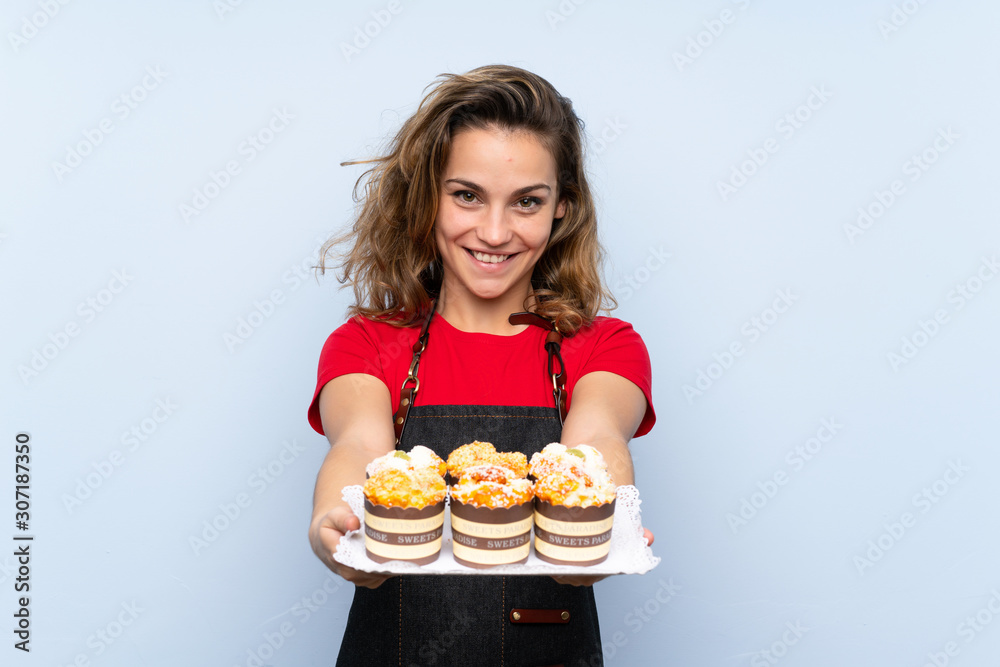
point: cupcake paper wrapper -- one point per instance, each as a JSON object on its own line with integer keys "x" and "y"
{"x": 403, "y": 533}
{"x": 573, "y": 535}
{"x": 484, "y": 537}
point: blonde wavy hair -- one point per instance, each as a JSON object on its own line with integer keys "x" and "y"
{"x": 392, "y": 261}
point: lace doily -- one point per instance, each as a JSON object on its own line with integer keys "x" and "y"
{"x": 629, "y": 553}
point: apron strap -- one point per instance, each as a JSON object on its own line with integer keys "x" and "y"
{"x": 407, "y": 394}
{"x": 552, "y": 346}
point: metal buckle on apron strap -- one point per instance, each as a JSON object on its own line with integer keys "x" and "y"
{"x": 539, "y": 616}
{"x": 552, "y": 345}
{"x": 406, "y": 395}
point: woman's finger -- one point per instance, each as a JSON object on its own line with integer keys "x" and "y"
{"x": 344, "y": 522}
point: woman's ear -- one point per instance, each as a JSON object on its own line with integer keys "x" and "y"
{"x": 560, "y": 209}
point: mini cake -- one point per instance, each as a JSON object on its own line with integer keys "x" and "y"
{"x": 480, "y": 453}
{"x": 404, "y": 507}
{"x": 491, "y": 516}
{"x": 574, "y": 505}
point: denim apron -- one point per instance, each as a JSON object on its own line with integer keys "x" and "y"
{"x": 473, "y": 620}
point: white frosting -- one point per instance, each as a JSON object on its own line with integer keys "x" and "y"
{"x": 592, "y": 464}
{"x": 423, "y": 457}
{"x": 419, "y": 457}
{"x": 386, "y": 462}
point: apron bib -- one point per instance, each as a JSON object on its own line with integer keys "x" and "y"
{"x": 464, "y": 620}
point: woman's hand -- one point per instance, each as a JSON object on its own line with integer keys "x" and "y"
{"x": 357, "y": 420}
{"x": 324, "y": 535}
{"x": 578, "y": 579}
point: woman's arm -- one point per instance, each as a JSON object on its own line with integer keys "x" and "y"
{"x": 357, "y": 419}
{"x": 605, "y": 411}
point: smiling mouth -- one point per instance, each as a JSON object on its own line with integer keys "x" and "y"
{"x": 487, "y": 258}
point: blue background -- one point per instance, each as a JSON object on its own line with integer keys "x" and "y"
{"x": 873, "y": 551}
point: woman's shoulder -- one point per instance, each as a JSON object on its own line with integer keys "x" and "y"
{"x": 375, "y": 332}
{"x": 382, "y": 325}
{"x": 600, "y": 329}
{"x": 605, "y": 323}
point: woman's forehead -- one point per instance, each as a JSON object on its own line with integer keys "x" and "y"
{"x": 501, "y": 158}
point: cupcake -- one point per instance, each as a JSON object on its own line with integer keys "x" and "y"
{"x": 574, "y": 505}
{"x": 404, "y": 507}
{"x": 480, "y": 453}
{"x": 491, "y": 516}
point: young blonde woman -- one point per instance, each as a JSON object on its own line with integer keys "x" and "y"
{"x": 475, "y": 263}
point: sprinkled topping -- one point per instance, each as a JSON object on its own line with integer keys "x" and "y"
{"x": 575, "y": 476}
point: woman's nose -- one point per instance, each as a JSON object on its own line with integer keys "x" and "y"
{"x": 495, "y": 229}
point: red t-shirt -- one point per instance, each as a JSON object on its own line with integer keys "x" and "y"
{"x": 462, "y": 368}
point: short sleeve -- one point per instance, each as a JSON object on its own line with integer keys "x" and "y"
{"x": 351, "y": 348}
{"x": 620, "y": 350}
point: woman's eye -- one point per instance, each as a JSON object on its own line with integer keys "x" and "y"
{"x": 528, "y": 202}
{"x": 467, "y": 197}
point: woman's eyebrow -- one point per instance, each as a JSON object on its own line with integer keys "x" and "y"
{"x": 517, "y": 193}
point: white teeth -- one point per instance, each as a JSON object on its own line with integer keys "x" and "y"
{"x": 489, "y": 259}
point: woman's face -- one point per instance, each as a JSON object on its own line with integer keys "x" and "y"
{"x": 497, "y": 204}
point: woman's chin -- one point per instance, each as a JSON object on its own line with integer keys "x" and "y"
{"x": 490, "y": 290}
{"x": 487, "y": 295}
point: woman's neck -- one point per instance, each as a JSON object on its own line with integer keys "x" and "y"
{"x": 466, "y": 312}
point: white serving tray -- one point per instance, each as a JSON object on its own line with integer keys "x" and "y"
{"x": 629, "y": 553}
